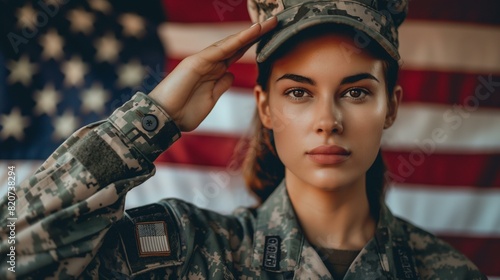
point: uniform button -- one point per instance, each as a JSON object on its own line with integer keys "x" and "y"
{"x": 149, "y": 122}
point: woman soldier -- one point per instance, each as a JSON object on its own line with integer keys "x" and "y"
{"x": 326, "y": 91}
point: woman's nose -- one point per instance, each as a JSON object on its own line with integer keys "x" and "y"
{"x": 329, "y": 119}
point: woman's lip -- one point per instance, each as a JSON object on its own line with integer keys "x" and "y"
{"x": 329, "y": 150}
{"x": 327, "y": 159}
{"x": 328, "y": 154}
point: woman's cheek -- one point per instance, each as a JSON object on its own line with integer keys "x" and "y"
{"x": 284, "y": 115}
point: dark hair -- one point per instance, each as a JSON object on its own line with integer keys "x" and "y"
{"x": 262, "y": 169}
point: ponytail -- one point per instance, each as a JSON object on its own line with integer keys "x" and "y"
{"x": 262, "y": 169}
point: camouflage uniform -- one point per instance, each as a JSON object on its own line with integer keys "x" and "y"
{"x": 71, "y": 221}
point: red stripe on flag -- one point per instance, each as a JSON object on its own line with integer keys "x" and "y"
{"x": 245, "y": 73}
{"x": 479, "y": 11}
{"x": 206, "y": 11}
{"x": 482, "y": 251}
{"x": 453, "y": 170}
{"x": 201, "y": 150}
{"x": 450, "y": 88}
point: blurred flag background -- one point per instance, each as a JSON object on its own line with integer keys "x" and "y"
{"x": 69, "y": 63}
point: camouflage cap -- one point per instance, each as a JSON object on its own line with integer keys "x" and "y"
{"x": 379, "y": 19}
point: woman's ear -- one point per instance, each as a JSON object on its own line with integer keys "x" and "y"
{"x": 393, "y": 105}
{"x": 262, "y": 99}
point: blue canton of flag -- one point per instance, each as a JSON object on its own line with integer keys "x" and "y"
{"x": 71, "y": 63}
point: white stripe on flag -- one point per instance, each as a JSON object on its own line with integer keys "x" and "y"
{"x": 218, "y": 189}
{"x": 444, "y": 128}
{"x": 423, "y": 44}
{"x": 460, "y": 210}
{"x": 232, "y": 114}
{"x": 450, "y": 46}
{"x": 152, "y": 244}
{"x": 184, "y": 39}
{"x": 152, "y": 237}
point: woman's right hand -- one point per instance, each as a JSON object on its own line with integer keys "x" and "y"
{"x": 191, "y": 90}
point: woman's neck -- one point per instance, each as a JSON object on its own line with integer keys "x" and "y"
{"x": 338, "y": 218}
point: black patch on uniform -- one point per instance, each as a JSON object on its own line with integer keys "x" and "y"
{"x": 153, "y": 220}
{"x": 98, "y": 157}
{"x": 272, "y": 251}
{"x": 403, "y": 260}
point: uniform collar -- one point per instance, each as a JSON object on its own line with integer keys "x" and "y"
{"x": 276, "y": 217}
{"x": 387, "y": 255}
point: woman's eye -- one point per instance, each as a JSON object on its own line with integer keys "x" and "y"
{"x": 296, "y": 93}
{"x": 356, "y": 93}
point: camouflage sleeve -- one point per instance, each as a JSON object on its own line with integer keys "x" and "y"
{"x": 65, "y": 209}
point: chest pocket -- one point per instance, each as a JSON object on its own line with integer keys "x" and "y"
{"x": 151, "y": 241}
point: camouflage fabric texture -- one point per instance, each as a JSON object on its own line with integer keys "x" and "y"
{"x": 378, "y": 19}
{"x": 72, "y": 224}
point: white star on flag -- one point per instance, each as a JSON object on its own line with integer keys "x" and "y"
{"x": 100, "y": 5}
{"x": 133, "y": 25}
{"x": 74, "y": 71}
{"x": 26, "y": 17}
{"x": 52, "y": 45}
{"x": 64, "y": 125}
{"x": 107, "y": 48}
{"x": 94, "y": 99}
{"x": 21, "y": 70}
{"x": 81, "y": 21}
{"x": 46, "y": 101}
{"x": 130, "y": 74}
{"x": 13, "y": 125}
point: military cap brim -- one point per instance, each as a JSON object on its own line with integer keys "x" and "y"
{"x": 378, "y": 25}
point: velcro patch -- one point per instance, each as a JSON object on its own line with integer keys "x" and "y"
{"x": 272, "y": 250}
{"x": 152, "y": 239}
{"x": 403, "y": 259}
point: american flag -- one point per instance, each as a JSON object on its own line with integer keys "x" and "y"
{"x": 443, "y": 152}
{"x": 152, "y": 237}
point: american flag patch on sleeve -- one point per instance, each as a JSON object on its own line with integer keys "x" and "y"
{"x": 152, "y": 239}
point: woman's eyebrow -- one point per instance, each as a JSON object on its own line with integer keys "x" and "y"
{"x": 358, "y": 77}
{"x": 297, "y": 78}
{"x": 346, "y": 80}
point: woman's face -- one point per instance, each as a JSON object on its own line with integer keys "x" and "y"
{"x": 327, "y": 105}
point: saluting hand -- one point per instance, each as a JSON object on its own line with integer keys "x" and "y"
{"x": 191, "y": 90}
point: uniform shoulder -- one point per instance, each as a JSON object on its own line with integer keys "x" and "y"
{"x": 223, "y": 241}
{"x": 191, "y": 235}
{"x": 435, "y": 258}
{"x": 218, "y": 231}
{"x": 188, "y": 213}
